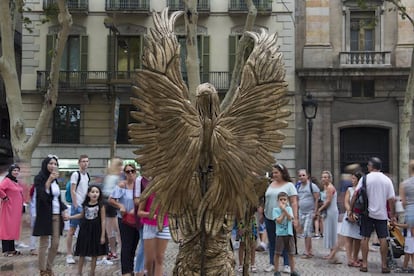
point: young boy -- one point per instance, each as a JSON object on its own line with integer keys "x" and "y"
{"x": 283, "y": 215}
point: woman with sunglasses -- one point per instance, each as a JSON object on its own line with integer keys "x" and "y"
{"x": 11, "y": 195}
{"x": 51, "y": 212}
{"x": 122, "y": 198}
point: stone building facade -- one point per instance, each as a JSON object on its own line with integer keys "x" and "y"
{"x": 104, "y": 49}
{"x": 355, "y": 62}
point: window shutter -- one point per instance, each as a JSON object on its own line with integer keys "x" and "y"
{"x": 232, "y": 52}
{"x": 205, "y": 59}
{"x": 110, "y": 54}
{"x": 84, "y": 53}
{"x": 50, "y": 46}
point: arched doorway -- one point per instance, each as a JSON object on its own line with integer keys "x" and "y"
{"x": 358, "y": 144}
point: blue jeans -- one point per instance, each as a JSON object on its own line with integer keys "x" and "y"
{"x": 271, "y": 235}
{"x": 139, "y": 257}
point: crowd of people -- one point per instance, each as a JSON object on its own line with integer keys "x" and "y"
{"x": 110, "y": 219}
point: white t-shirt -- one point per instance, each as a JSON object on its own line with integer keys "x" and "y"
{"x": 138, "y": 186}
{"x": 379, "y": 190}
{"x": 82, "y": 188}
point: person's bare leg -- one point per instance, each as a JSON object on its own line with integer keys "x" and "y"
{"x": 149, "y": 253}
{"x": 161, "y": 246}
{"x": 292, "y": 263}
{"x": 364, "y": 250}
{"x": 241, "y": 253}
{"x": 308, "y": 246}
{"x": 69, "y": 240}
{"x": 356, "y": 246}
{"x": 384, "y": 251}
{"x": 93, "y": 266}
{"x": 276, "y": 261}
{"x": 80, "y": 264}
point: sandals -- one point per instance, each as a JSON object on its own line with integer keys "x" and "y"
{"x": 385, "y": 270}
{"x": 363, "y": 269}
{"x": 12, "y": 253}
{"x": 354, "y": 264}
{"x": 306, "y": 256}
{"x": 253, "y": 268}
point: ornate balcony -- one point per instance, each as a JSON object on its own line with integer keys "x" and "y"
{"x": 74, "y": 6}
{"x": 124, "y": 6}
{"x": 364, "y": 59}
{"x": 263, "y": 7}
{"x": 203, "y": 6}
{"x": 72, "y": 81}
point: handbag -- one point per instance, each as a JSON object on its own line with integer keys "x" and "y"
{"x": 129, "y": 219}
{"x": 360, "y": 206}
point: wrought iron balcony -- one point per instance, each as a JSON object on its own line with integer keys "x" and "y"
{"x": 239, "y": 6}
{"x": 127, "y": 5}
{"x": 203, "y": 6}
{"x": 100, "y": 80}
{"x": 73, "y": 5}
{"x": 364, "y": 59}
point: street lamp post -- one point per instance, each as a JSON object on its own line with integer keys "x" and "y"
{"x": 310, "y": 108}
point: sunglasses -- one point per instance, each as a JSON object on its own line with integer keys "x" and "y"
{"x": 52, "y": 156}
{"x": 130, "y": 171}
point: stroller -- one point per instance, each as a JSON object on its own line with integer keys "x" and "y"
{"x": 396, "y": 245}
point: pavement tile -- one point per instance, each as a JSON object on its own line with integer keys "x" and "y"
{"x": 26, "y": 264}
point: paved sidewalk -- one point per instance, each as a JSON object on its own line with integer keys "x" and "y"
{"x": 26, "y": 264}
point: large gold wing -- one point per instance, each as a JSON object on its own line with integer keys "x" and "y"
{"x": 247, "y": 134}
{"x": 169, "y": 128}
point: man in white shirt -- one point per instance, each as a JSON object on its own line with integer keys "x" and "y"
{"x": 380, "y": 193}
{"x": 78, "y": 193}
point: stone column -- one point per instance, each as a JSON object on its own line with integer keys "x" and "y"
{"x": 317, "y": 50}
{"x": 405, "y": 37}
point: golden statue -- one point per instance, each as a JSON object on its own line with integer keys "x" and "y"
{"x": 207, "y": 165}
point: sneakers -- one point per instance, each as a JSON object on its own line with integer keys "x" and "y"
{"x": 70, "y": 259}
{"x": 104, "y": 261}
{"x": 294, "y": 273}
{"x": 22, "y": 245}
{"x": 316, "y": 237}
{"x": 286, "y": 269}
{"x": 112, "y": 256}
{"x": 270, "y": 268}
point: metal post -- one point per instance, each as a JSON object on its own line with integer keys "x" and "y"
{"x": 310, "y": 126}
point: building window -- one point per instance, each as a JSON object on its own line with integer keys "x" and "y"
{"x": 362, "y": 30}
{"x": 66, "y": 124}
{"x": 124, "y": 119}
{"x": 363, "y": 88}
{"x": 129, "y": 54}
{"x": 203, "y": 46}
{"x": 75, "y": 54}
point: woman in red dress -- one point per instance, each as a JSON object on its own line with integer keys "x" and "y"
{"x": 11, "y": 195}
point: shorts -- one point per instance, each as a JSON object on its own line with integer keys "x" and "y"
{"x": 151, "y": 232}
{"x": 369, "y": 224}
{"x": 73, "y": 223}
{"x": 306, "y": 222}
{"x": 262, "y": 228}
{"x": 110, "y": 210}
{"x": 409, "y": 215}
{"x": 409, "y": 245}
{"x": 285, "y": 243}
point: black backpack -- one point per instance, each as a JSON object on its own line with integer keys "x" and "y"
{"x": 360, "y": 206}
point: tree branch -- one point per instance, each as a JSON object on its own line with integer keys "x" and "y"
{"x": 402, "y": 10}
{"x": 240, "y": 60}
{"x": 51, "y": 96}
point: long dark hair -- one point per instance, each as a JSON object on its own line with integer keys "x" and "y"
{"x": 283, "y": 171}
{"x": 88, "y": 199}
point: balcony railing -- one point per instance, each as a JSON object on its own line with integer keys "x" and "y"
{"x": 176, "y": 5}
{"x": 239, "y": 6}
{"x": 365, "y": 59}
{"x": 92, "y": 80}
{"x": 127, "y": 5}
{"x": 73, "y": 5}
